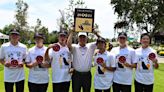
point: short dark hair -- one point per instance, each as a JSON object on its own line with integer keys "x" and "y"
{"x": 145, "y": 34}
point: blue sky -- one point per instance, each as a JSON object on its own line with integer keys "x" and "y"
{"x": 48, "y": 12}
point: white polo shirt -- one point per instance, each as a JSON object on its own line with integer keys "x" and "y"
{"x": 36, "y": 74}
{"x": 123, "y": 74}
{"x": 82, "y": 56}
{"x": 10, "y": 52}
{"x": 104, "y": 79}
{"x": 145, "y": 70}
{"x": 60, "y": 64}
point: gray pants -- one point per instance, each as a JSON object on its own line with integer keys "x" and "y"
{"x": 81, "y": 80}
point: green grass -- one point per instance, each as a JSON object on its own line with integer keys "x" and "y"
{"x": 158, "y": 86}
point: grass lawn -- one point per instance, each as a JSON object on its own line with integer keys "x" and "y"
{"x": 158, "y": 86}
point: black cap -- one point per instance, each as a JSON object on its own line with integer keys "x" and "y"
{"x": 14, "y": 31}
{"x": 63, "y": 33}
{"x": 100, "y": 39}
{"x": 122, "y": 34}
{"x": 39, "y": 35}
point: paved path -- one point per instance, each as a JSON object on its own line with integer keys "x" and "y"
{"x": 161, "y": 59}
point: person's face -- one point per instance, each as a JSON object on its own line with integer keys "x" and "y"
{"x": 62, "y": 38}
{"x": 14, "y": 37}
{"x": 82, "y": 39}
{"x": 122, "y": 40}
{"x": 145, "y": 40}
{"x": 39, "y": 40}
{"x": 101, "y": 45}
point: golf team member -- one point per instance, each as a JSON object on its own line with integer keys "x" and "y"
{"x": 147, "y": 61}
{"x": 82, "y": 62}
{"x": 105, "y": 66}
{"x": 12, "y": 55}
{"x": 59, "y": 56}
{"x": 125, "y": 62}
{"x": 38, "y": 70}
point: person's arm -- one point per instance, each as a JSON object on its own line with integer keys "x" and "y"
{"x": 21, "y": 63}
{"x": 6, "y": 64}
{"x": 46, "y": 64}
{"x": 96, "y": 33}
{"x": 47, "y": 58}
{"x": 2, "y": 61}
{"x": 155, "y": 63}
{"x": 28, "y": 61}
{"x": 112, "y": 64}
{"x": 133, "y": 60}
{"x": 32, "y": 64}
{"x": 134, "y": 65}
{"x": 69, "y": 41}
{"x": 2, "y": 58}
{"x": 109, "y": 68}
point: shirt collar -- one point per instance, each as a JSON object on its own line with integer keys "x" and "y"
{"x": 81, "y": 46}
{"x": 61, "y": 45}
{"x": 15, "y": 45}
{"x": 105, "y": 53}
{"x": 39, "y": 48}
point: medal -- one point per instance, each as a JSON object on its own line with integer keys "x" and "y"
{"x": 56, "y": 47}
{"x": 14, "y": 63}
{"x": 152, "y": 56}
{"x": 122, "y": 59}
{"x": 39, "y": 59}
{"x": 100, "y": 60}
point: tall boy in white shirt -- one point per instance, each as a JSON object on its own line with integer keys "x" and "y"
{"x": 147, "y": 61}
{"x": 59, "y": 56}
{"x": 38, "y": 69}
{"x": 12, "y": 55}
{"x": 125, "y": 58}
{"x": 105, "y": 66}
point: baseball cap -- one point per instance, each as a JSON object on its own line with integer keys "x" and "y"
{"x": 39, "y": 35}
{"x": 82, "y": 33}
{"x": 122, "y": 34}
{"x": 14, "y": 31}
{"x": 62, "y": 33}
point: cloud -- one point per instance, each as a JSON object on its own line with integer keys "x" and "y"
{"x": 48, "y": 12}
{"x": 104, "y": 16}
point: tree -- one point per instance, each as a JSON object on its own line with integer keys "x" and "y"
{"x": 66, "y": 22}
{"x": 148, "y": 15}
{"x": 39, "y": 28}
{"x": 53, "y": 37}
{"x": 21, "y": 19}
{"x": 7, "y": 28}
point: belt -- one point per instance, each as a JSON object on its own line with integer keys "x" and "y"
{"x": 82, "y": 73}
